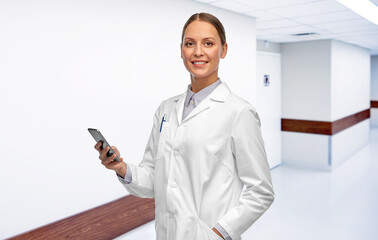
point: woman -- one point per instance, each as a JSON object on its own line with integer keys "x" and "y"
{"x": 205, "y": 162}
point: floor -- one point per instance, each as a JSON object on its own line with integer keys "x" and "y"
{"x": 313, "y": 205}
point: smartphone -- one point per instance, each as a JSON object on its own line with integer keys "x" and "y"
{"x": 96, "y": 134}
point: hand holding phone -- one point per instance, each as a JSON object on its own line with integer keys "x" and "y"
{"x": 96, "y": 134}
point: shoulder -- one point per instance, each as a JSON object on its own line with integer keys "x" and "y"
{"x": 239, "y": 104}
{"x": 241, "y": 109}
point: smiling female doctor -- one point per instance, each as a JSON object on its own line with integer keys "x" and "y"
{"x": 205, "y": 162}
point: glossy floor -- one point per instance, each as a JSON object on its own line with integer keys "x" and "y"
{"x": 317, "y": 205}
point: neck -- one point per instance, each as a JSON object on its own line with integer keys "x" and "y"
{"x": 200, "y": 83}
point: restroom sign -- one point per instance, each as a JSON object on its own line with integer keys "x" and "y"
{"x": 266, "y": 80}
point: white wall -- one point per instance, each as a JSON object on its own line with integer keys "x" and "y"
{"x": 350, "y": 84}
{"x": 266, "y": 46}
{"x": 269, "y": 104}
{"x": 374, "y": 78}
{"x": 306, "y": 77}
{"x": 324, "y": 81}
{"x": 306, "y": 150}
{"x": 69, "y": 65}
{"x": 374, "y": 90}
{"x": 374, "y": 117}
{"x": 347, "y": 142}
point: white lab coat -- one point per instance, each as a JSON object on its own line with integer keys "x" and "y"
{"x": 209, "y": 168}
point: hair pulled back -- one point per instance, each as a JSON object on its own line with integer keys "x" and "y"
{"x": 206, "y": 17}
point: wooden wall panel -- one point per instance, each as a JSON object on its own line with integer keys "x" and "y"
{"x": 322, "y": 127}
{"x": 104, "y": 222}
{"x": 349, "y": 121}
{"x": 305, "y": 126}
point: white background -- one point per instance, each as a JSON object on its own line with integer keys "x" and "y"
{"x": 69, "y": 65}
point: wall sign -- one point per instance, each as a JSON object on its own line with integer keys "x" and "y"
{"x": 266, "y": 80}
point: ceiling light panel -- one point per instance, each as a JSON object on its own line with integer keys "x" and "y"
{"x": 267, "y": 4}
{"x": 233, "y": 6}
{"x": 375, "y": 2}
{"x": 364, "y": 8}
{"x": 312, "y": 8}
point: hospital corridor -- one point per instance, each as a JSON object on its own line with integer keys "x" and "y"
{"x": 231, "y": 119}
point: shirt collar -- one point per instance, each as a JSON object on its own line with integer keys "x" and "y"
{"x": 201, "y": 95}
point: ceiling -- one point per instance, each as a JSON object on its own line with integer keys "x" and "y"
{"x": 284, "y": 21}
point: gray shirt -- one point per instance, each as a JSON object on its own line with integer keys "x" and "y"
{"x": 192, "y": 99}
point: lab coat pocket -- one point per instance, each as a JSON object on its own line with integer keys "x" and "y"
{"x": 163, "y": 135}
{"x": 208, "y": 232}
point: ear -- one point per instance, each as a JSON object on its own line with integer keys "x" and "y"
{"x": 181, "y": 49}
{"x": 224, "y": 51}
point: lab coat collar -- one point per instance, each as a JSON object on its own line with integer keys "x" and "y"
{"x": 220, "y": 94}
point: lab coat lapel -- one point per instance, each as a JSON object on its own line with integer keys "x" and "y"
{"x": 218, "y": 95}
{"x": 204, "y": 105}
{"x": 180, "y": 100}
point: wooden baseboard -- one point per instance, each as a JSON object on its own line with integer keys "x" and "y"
{"x": 323, "y": 127}
{"x": 107, "y": 221}
{"x": 374, "y": 104}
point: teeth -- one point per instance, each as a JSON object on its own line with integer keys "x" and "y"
{"x": 199, "y": 62}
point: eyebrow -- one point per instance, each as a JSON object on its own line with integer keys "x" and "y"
{"x": 206, "y": 38}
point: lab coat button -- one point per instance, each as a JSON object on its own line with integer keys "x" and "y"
{"x": 172, "y": 184}
{"x": 175, "y": 153}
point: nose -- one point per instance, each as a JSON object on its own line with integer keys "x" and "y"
{"x": 198, "y": 51}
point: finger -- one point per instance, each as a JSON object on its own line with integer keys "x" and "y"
{"x": 109, "y": 160}
{"x": 103, "y": 153}
{"x": 114, "y": 165}
{"x": 98, "y": 146}
{"x": 115, "y": 149}
{"x": 111, "y": 165}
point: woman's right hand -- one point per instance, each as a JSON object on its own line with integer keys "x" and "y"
{"x": 119, "y": 167}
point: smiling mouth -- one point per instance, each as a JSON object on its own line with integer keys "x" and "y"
{"x": 199, "y": 62}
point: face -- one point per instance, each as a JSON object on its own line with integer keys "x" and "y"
{"x": 202, "y": 50}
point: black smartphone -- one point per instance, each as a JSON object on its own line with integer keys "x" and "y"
{"x": 96, "y": 134}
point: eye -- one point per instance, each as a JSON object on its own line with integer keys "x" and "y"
{"x": 189, "y": 44}
{"x": 208, "y": 44}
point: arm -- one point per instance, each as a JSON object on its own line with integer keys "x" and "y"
{"x": 138, "y": 180}
{"x": 249, "y": 153}
{"x": 142, "y": 184}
